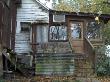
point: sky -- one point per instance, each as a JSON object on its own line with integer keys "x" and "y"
{"x": 47, "y": 2}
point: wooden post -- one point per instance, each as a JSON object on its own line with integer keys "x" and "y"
{"x": 1, "y": 22}
{"x": 13, "y": 24}
{"x": 2, "y": 60}
{"x": 34, "y": 44}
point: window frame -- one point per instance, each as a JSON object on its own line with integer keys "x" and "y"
{"x": 29, "y": 27}
{"x": 81, "y": 28}
{"x": 98, "y": 33}
{"x": 58, "y": 40}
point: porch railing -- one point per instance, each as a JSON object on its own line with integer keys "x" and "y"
{"x": 89, "y": 51}
{"x": 88, "y": 47}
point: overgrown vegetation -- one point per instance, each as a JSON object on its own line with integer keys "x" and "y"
{"x": 106, "y": 34}
{"x": 103, "y": 67}
{"x": 103, "y": 64}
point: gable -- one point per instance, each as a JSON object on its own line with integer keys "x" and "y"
{"x": 32, "y": 11}
{"x": 43, "y": 5}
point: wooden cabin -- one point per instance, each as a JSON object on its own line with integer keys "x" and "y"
{"x": 49, "y": 42}
{"x": 83, "y": 32}
{"x": 48, "y": 38}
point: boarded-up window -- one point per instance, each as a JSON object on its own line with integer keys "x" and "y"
{"x": 42, "y": 34}
{"x": 25, "y": 27}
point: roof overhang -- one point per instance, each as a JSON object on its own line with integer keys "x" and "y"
{"x": 43, "y": 5}
{"x": 105, "y": 17}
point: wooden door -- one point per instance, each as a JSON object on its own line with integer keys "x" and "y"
{"x": 76, "y": 33}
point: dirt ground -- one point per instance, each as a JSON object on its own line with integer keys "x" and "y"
{"x": 59, "y": 79}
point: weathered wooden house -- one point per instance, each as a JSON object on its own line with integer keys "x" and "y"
{"x": 7, "y": 24}
{"x": 30, "y": 15}
{"x": 55, "y": 42}
{"x": 83, "y": 31}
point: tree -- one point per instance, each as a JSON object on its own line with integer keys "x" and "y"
{"x": 93, "y": 6}
{"x": 106, "y": 34}
{"x": 103, "y": 62}
{"x": 63, "y": 6}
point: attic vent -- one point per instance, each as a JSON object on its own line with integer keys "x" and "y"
{"x": 58, "y": 18}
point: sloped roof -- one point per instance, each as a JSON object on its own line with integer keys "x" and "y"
{"x": 43, "y": 5}
{"x": 81, "y": 14}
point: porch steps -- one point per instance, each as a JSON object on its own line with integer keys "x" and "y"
{"x": 18, "y": 67}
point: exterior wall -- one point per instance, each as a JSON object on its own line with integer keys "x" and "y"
{"x": 77, "y": 44}
{"x": 7, "y": 23}
{"x": 13, "y": 11}
{"x": 32, "y": 12}
{"x": 7, "y": 26}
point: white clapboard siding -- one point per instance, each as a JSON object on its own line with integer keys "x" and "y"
{"x": 28, "y": 11}
{"x": 22, "y": 43}
{"x": 31, "y": 11}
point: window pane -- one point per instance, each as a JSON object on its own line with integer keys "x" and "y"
{"x": 76, "y": 30}
{"x": 58, "y": 33}
{"x": 25, "y": 27}
{"x": 93, "y": 30}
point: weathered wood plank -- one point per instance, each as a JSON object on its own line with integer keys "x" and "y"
{"x": 30, "y": 11}
{"x": 28, "y": 1}
{"x": 22, "y": 42}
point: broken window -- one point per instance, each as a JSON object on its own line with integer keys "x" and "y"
{"x": 58, "y": 33}
{"x": 76, "y": 30}
{"x": 25, "y": 27}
